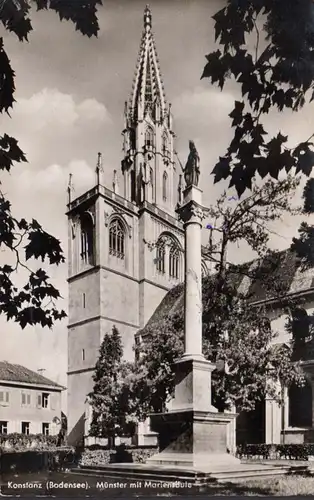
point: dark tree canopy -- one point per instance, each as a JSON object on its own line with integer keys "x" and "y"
{"x": 277, "y": 73}
{"x": 109, "y": 396}
{"x": 25, "y": 241}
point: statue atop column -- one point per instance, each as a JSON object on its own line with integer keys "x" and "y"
{"x": 192, "y": 167}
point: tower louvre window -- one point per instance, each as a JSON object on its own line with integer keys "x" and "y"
{"x": 164, "y": 186}
{"x": 87, "y": 239}
{"x": 117, "y": 239}
{"x": 174, "y": 262}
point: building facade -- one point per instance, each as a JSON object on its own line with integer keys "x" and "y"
{"x": 125, "y": 248}
{"x": 29, "y": 402}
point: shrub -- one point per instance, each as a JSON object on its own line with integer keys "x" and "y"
{"x": 103, "y": 455}
{"x": 276, "y": 451}
{"x": 36, "y": 460}
{"x": 18, "y": 441}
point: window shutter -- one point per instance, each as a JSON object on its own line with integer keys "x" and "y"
{"x": 7, "y": 397}
{"x": 28, "y": 399}
{"x": 1, "y": 396}
{"x": 39, "y": 401}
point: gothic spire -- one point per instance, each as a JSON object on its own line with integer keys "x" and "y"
{"x": 147, "y": 84}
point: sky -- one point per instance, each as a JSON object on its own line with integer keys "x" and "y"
{"x": 70, "y": 98}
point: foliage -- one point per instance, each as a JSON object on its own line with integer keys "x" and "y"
{"x": 108, "y": 399}
{"x": 304, "y": 244}
{"x": 276, "y": 451}
{"x": 35, "y": 302}
{"x": 236, "y": 335}
{"x": 19, "y": 441}
{"x": 93, "y": 456}
{"x": 278, "y": 72}
{"x": 151, "y": 383}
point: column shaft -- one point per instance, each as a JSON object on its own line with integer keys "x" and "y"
{"x": 193, "y": 289}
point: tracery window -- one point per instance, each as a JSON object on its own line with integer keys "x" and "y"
{"x": 161, "y": 254}
{"x": 174, "y": 262}
{"x": 149, "y": 137}
{"x": 117, "y": 239}
{"x": 87, "y": 238}
{"x": 164, "y": 186}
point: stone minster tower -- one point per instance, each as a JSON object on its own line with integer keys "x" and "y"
{"x": 125, "y": 252}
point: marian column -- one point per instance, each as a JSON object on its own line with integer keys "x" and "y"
{"x": 192, "y": 215}
{"x": 193, "y": 434}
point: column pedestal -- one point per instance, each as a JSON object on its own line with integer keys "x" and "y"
{"x": 193, "y": 434}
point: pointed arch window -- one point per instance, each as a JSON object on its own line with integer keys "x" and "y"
{"x": 117, "y": 239}
{"x": 164, "y": 143}
{"x": 149, "y": 137}
{"x": 132, "y": 139}
{"x": 87, "y": 239}
{"x": 174, "y": 262}
{"x": 164, "y": 186}
{"x": 161, "y": 255}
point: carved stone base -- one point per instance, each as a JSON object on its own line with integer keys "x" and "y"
{"x": 193, "y": 434}
{"x": 193, "y": 439}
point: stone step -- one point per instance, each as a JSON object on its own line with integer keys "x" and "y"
{"x": 138, "y": 472}
{"x": 251, "y": 474}
{"x": 137, "y": 475}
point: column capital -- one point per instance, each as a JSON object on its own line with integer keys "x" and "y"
{"x": 191, "y": 212}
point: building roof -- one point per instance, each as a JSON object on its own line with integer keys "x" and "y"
{"x": 283, "y": 266}
{"x": 18, "y": 373}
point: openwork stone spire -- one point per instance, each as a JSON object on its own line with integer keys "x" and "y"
{"x": 147, "y": 84}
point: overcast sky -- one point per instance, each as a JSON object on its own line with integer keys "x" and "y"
{"x": 70, "y": 96}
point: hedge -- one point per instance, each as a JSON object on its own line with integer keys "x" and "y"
{"x": 18, "y": 441}
{"x": 35, "y": 460}
{"x": 276, "y": 451}
{"x": 96, "y": 455}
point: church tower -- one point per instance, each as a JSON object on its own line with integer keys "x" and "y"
{"x": 148, "y": 164}
{"x": 125, "y": 248}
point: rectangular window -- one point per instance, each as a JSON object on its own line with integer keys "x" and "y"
{"x": 45, "y": 429}
{"x": 3, "y": 427}
{"x": 25, "y": 398}
{"x": 84, "y": 300}
{"x": 25, "y": 428}
{"x": 45, "y": 400}
{"x": 83, "y": 354}
{"x": 4, "y": 398}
